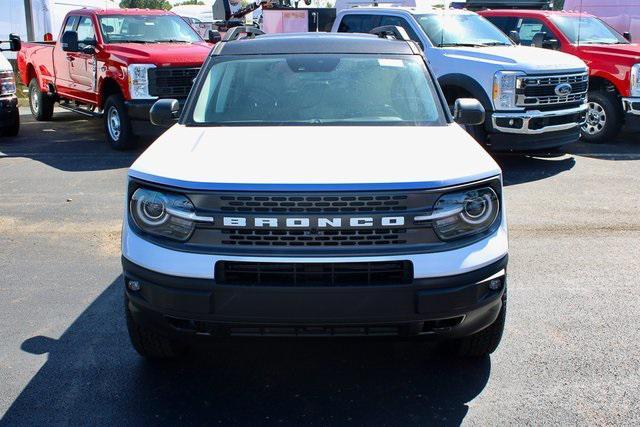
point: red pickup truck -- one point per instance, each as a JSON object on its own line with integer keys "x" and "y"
{"x": 614, "y": 62}
{"x": 113, "y": 64}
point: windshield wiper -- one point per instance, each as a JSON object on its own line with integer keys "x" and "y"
{"x": 460, "y": 45}
{"x": 171, "y": 41}
{"x": 496, "y": 44}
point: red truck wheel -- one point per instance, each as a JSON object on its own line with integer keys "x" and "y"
{"x": 117, "y": 124}
{"x": 604, "y": 117}
{"x": 41, "y": 104}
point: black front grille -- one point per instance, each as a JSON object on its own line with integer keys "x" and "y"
{"x": 314, "y": 274}
{"x": 171, "y": 82}
{"x": 315, "y": 203}
{"x": 551, "y": 90}
{"x": 254, "y": 237}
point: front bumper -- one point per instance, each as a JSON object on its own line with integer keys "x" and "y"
{"x": 452, "y": 306}
{"x": 537, "y": 122}
{"x": 631, "y": 105}
{"x": 8, "y": 108}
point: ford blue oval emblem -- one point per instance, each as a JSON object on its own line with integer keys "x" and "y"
{"x": 563, "y": 89}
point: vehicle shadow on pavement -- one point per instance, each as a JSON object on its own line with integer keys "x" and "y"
{"x": 92, "y": 375}
{"x": 520, "y": 169}
{"x": 70, "y": 143}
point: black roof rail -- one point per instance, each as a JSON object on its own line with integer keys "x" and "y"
{"x": 236, "y": 32}
{"x": 391, "y": 32}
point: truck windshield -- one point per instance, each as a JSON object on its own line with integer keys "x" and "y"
{"x": 146, "y": 29}
{"x": 317, "y": 90}
{"x": 587, "y": 30}
{"x": 471, "y": 30}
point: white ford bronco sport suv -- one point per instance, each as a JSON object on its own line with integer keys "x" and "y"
{"x": 315, "y": 185}
{"x": 535, "y": 99}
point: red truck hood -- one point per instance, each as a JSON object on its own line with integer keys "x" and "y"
{"x": 624, "y": 54}
{"x": 161, "y": 54}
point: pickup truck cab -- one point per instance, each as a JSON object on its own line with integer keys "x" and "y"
{"x": 614, "y": 62}
{"x": 9, "y": 114}
{"x": 353, "y": 204}
{"x": 113, "y": 64}
{"x": 472, "y": 58}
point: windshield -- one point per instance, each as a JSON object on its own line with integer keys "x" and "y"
{"x": 461, "y": 30}
{"x": 146, "y": 29}
{"x": 587, "y": 30}
{"x": 318, "y": 90}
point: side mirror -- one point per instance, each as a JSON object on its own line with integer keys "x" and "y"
{"x": 627, "y": 35}
{"x": 514, "y": 36}
{"x": 214, "y": 36}
{"x": 164, "y": 112}
{"x": 70, "y": 41}
{"x": 14, "y": 42}
{"x": 468, "y": 111}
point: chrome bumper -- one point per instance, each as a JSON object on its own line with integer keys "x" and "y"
{"x": 631, "y": 105}
{"x": 527, "y": 116}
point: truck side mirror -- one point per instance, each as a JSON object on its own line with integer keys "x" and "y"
{"x": 70, "y": 41}
{"x": 551, "y": 44}
{"x": 627, "y": 35}
{"x": 514, "y": 36}
{"x": 164, "y": 112}
{"x": 468, "y": 111}
{"x": 214, "y": 36}
{"x": 14, "y": 42}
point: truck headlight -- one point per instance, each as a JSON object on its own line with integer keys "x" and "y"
{"x": 162, "y": 214}
{"x": 7, "y": 83}
{"x": 635, "y": 80}
{"x": 139, "y": 81}
{"x": 504, "y": 89}
{"x": 465, "y": 212}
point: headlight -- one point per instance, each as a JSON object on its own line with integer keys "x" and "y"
{"x": 466, "y": 212}
{"x": 635, "y": 80}
{"x": 162, "y": 214}
{"x": 7, "y": 83}
{"x": 504, "y": 89}
{"x": 139, "y": 81}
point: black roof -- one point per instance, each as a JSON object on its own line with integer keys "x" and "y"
{"x": 314, "y": 43}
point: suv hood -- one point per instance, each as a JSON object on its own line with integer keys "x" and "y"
{"x": 530, "y": 60}
{"x": 161, "y": 54}
{"x": 304, "y": 157}
{"x": 627, "y": 54}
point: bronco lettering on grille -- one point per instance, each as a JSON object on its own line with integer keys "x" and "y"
{"x": 303, "y": 222}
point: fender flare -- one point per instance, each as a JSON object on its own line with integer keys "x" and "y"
{"x": 470, "y": 85}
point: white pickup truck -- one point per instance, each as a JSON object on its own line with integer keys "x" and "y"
{"x": 352, "y": 205}
{"x": 9, "y": 114}
{"x": 535, "y": 99}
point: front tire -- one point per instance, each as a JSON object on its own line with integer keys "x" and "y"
{"x": 40, "y": 103}
{"x": 604, "y": 117}
{"x": 14, "y": 128}
{"x": 481, "y": 343}
{"x": 117, "y": 124}
{"x": 148, "y": 343}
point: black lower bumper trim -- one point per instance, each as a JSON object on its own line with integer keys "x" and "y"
{"x": 521, "y": 142}
{"x": 455, "y": 305}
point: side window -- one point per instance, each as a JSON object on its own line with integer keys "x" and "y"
{"x": 68, "y": 26}
{"x": 358, "y": 23}
{"x": 86, "y": 33}
{"x": 505, "y": 23}
{"x": 529, "y": 27}
{"x": 401, "y": 22}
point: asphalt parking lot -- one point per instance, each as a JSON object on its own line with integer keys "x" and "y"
{"x": 570, "y": 354}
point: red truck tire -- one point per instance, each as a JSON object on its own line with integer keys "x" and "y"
{"x": 117, "y": 124}
{"x": 41, "y": 104}
{"x": 604, "y": 117}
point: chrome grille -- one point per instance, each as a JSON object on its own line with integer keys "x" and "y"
{"x": 540, "y": 90}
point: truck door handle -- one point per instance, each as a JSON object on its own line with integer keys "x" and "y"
{"x": 70, "y": 58}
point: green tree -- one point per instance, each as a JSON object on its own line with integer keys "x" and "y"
{"x": 145, "y": 4}
{"x": 558, "y": 4}
{"x": 190, "y": 2}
